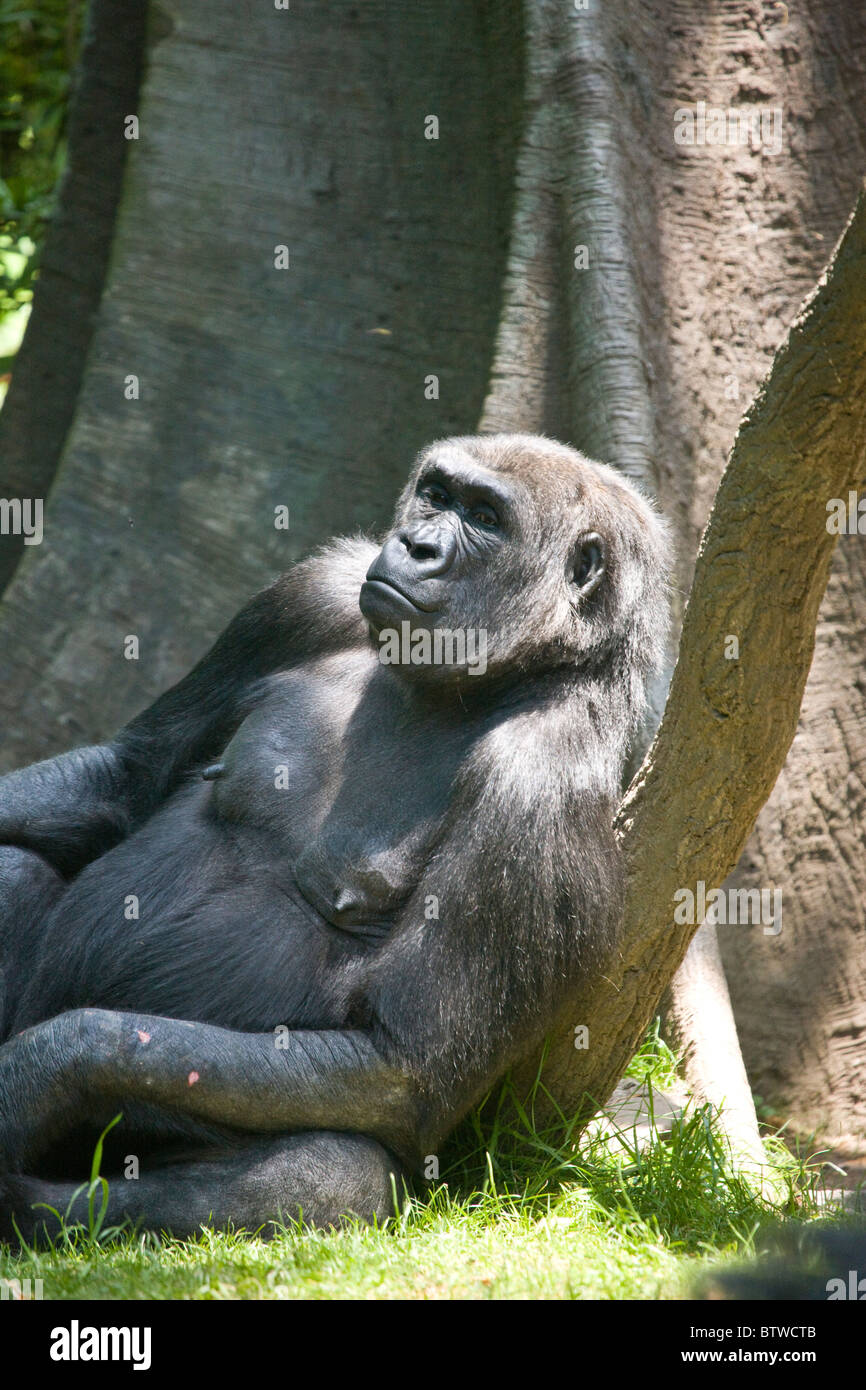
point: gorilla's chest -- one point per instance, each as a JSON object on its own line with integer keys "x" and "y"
{"x": 348, "y": 777}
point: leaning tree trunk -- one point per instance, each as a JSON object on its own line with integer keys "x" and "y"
{"x": 455, "y": 259}
{"x": 761, "y": 573}
{"x": 698, "y": 259}
{"x": 741, "y": 237}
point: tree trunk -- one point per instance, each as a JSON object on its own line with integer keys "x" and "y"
{"x": 41, "y": 400}
{"x": 742, "y": 238}
{"x": 728, "y": 724}
{"x": 259, "y": 386}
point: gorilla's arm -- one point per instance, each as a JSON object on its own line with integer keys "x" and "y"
{"x": 89, "y": 1063}
{"x": 72, "y": 808}
{"x": 522, "y": 898}
{"x": 479, "y": 965}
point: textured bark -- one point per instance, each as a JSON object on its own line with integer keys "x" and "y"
{"x": 570, "y": 358}
{"x": 259, "y": 386}
{"x": 801, "y": 997}
{"x": 41, "y": 399}
{"x": 741, "y": 238}
{"x": 761, "y": 572}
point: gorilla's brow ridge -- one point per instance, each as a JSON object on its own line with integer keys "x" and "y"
{"x": 471, "y": 480}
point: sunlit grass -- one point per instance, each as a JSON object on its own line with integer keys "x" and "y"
{"x": 517, "y": 1212}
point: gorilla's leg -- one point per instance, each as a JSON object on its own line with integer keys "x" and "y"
{"x": 29, "y": 886}
{"x": 319, "y": 1177}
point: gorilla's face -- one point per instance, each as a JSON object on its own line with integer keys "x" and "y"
{"x": 512, "y": 538}
{"x": 450, "y": 529}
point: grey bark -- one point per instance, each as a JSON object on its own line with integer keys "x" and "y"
{"x": 41, "y": 399}
{"x": 258, "y": 386}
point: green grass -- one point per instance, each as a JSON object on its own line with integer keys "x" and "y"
{"x": 517, "y": 1213}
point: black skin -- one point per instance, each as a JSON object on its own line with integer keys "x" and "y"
{"x": 363, "y": 890}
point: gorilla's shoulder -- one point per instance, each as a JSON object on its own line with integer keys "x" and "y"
{"x": 320, "y": 593}
{"x": 336, "y": 568}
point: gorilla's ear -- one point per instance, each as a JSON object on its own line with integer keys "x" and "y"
{"x": 589, "y": 566}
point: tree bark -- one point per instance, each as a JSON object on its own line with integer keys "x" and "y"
{"x": 261, "y": 387}
{"x": 761, "y": 572}
{"x": 741, "y": 238}
{"x": 41, "y": 399}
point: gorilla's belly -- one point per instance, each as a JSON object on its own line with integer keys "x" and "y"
{"x": 178, "y": 920}
{"x": 317, "y": 771}
{"x": 300, "y": 854}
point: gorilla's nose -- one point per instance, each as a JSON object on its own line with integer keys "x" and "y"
{"x": 431, "y": 547}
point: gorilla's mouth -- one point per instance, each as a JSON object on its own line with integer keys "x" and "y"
{"x": 388, "y": 587}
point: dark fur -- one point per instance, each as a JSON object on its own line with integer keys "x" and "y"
{"x": 491, "y": 794}
{"x": 797, "y": 1264}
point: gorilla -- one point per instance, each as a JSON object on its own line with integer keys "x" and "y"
{"x": 301, "y": 914}
{"x": 819, "y": 1263}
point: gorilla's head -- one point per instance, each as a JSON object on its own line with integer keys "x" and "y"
{"x": 560, "y": 562}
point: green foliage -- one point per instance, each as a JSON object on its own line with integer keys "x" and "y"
{"x": 684, "y": 1188}
{"x": 72, "y": 1234}
{"x": 37, "y": 54}
{"x": 654, "y": 1063}
{"x": 518, "y": 1213}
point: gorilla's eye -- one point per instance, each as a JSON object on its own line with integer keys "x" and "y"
{"x": 484, "y": 515}
{"x": 436, "y": 495}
